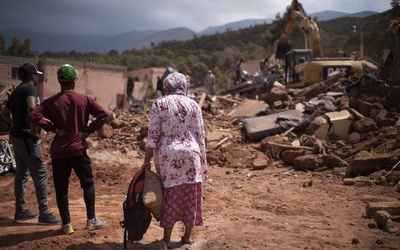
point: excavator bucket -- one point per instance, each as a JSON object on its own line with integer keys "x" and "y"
{"x": 282, "y": 49}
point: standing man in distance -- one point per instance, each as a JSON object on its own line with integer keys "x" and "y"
{"x": 210, "y": 83}
{"x": 239, "y": 68}
{"x": 160, "y": 90}
{"x": 188, "y": 74}
{"x": 67, "y": 113}
{"x": 27, "y": 147}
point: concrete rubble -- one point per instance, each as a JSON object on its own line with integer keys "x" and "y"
{"x": 346, "y": 124}
{"x": 343, "y": 122}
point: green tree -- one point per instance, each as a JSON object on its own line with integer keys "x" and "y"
{"x": 13, "y": 50}
{"x": 199, "y": 73}
{"x": 268, "y": 41}
{"x": 24, "y": 49}
{"x": 113, "y": 53}
{"x": 18, "y": 49}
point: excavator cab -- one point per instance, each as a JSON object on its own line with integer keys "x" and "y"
{"x": 302, "y": 69}
{"x": 292, "y": 59}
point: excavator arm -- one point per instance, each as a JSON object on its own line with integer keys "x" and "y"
{"x": 289, "y": 23}
{"x": 308, "y": 26}
{"x": 310, "y": 29}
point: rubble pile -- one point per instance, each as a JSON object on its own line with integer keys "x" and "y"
{"x": 339, "y": 123}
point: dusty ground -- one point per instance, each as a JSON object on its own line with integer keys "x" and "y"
{"x": 273, "y": 208}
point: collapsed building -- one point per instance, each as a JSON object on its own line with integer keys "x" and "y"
{"x": 347, "y": 125}
{"x": 348, "y": 122}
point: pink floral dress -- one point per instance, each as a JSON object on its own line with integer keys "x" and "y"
{"x": 177, "y": 135}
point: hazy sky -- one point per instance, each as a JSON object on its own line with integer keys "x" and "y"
{"x": 111, "y": 17}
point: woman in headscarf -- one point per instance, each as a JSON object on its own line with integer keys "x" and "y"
{"x": 176, "y": 139}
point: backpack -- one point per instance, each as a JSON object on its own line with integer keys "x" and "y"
{"x": 137, "y": 217}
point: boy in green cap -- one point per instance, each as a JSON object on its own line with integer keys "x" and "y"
{"x": 67, "y": 114}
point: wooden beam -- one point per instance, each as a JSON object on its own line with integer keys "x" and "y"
{"x": 228, "y": 99}
{"x": 290, "y": 146}
{"x": 220, "y": 143}
{"x": 356, "y": 113}
{"x": 202, "y": 99}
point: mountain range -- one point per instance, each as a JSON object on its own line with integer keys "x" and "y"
{"x": 140, "y": 39}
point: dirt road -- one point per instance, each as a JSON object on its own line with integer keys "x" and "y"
{"x": 273, "y": 208}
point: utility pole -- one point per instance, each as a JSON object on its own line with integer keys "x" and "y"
{"x": 362, "y": 45}
{"x": 361, "y": 41}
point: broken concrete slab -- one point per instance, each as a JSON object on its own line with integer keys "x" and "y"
{"x": 392, "y": 207}
{"x": 326, "y": 103}
{"x": 217, "y": 135}
{"x": 308, "y": 162}
{"x": 311, "y": 91}
{"x": 332, "y": 161}
{"x": 289, "y": 156}
{"x": 106, "y": 131}
{"x": 384, "y": 221}
{"x": 261, "y": 161}
{"x": 276, "y": 94}
{"x": 355, "y": 148}
{"x": 335, "y": 123}
{"x": 260, "y": 127}
{"x": 249, "y": 108}
{"x": 367, "y": 165}
{"x": 365, "y": 125}
{"x": 242, "y": 88}
{"x": 364, "y": 107}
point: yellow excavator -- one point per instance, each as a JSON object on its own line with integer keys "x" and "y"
{"x": 307, "y": 66}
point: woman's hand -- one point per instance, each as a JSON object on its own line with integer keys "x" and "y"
{"x": 147, "y": 158}
{"x": 146, "y": 164}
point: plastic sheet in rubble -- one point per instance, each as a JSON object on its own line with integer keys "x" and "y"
{"x": 7, "y": 162}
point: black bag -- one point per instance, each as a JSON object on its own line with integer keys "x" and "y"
{"x": 137, "y": 217}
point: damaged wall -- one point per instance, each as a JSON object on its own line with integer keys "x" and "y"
{"x": 9, "y": 68}
{"x": 395, "y": 76}
{"x": 106, "y": 83}
{"x": 147, "y": 75}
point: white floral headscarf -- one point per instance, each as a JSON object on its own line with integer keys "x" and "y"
{"x": 175, "y": 83}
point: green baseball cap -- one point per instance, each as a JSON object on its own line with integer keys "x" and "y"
{"x": 66, "y": 73}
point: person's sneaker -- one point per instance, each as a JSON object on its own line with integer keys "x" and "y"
{"x": 94, "y": 224}
{"x": 48, "y": 218}
{"x": 67, "y": 229}
{"x": 25, "y": 215}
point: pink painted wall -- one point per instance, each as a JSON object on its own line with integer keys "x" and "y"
{"x": 147, "y": 75}
{"x": 251, "y": 66}
{"x": 102, "y": 82}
